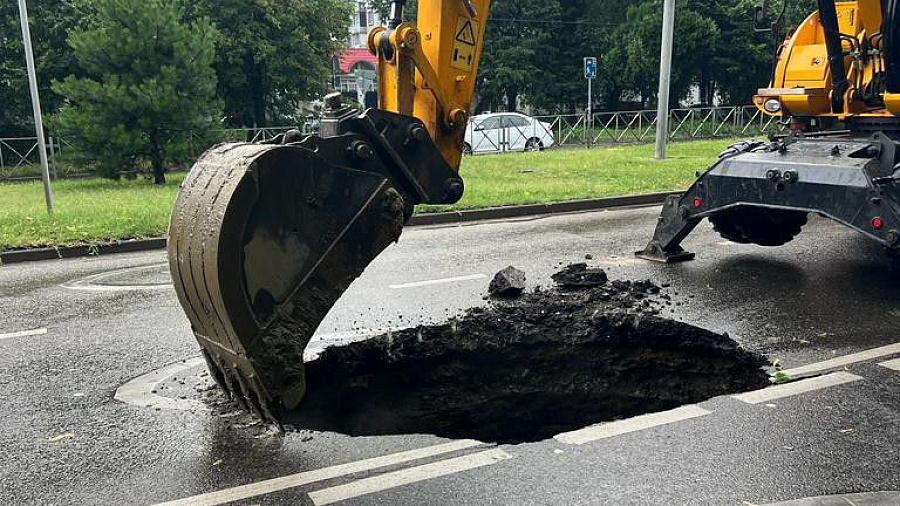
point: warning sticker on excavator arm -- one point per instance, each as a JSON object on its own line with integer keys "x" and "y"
{"x": 464, "y": 45}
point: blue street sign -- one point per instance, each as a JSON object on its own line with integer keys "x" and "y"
{"x": 590, "y": 68}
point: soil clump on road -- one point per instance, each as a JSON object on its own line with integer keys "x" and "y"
{"x": 587, "y": 351}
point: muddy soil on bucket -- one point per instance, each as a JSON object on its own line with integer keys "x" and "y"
{"x": 523, "y": 370}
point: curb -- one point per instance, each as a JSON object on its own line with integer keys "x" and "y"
{"x": 572, "y": 206}
{"x": 35, "y": 255}
{"x": 428, "y": 219}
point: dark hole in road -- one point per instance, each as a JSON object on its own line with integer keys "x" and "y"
{"x": 525, "y": 370}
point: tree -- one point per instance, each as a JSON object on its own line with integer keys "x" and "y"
{"x": 383, "y": 8}
{"x": 272, "y": 55}
{"x": 50, "y": 21}
{"x": 146, "y": 83}
{"x": 516, "y": 48}
{"x": 583, "y": 30}
{"x": 635, "y": 56}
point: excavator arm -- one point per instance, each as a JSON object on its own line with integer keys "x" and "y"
{"x": 428, "y": 70}
{"x": 265, "y": 238}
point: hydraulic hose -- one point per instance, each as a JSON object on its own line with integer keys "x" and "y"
{"x": 828, "y": 16}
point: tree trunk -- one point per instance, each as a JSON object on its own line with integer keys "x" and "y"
{"x": 259, "y": 110}
{"x": 257, "y": 91}
{"x": 158, "y": 161}
{"x": 159, "y": 175}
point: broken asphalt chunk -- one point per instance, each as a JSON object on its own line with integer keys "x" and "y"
{"x": 510, "y": 282}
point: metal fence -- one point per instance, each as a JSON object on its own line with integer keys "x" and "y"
{"x": 684, "y": 124}
{"x": 19, "y": 158}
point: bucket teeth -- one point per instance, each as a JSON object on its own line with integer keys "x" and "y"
{"x": 231, "y": 388}
{"x": 247, "y": 395}
{"x": 263, "y": 241}
{"x": 245, "y": 390}
{"x": 215, "y": 371}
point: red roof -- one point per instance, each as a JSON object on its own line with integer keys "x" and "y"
{"x": 351, "y": 56}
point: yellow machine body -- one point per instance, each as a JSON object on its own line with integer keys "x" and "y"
{"x": 429, "y": 70}
{"x": 802, "y": 84}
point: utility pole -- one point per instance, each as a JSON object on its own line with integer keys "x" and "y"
{"x": 36, "y": 105}
{"x": 665, "y": 76}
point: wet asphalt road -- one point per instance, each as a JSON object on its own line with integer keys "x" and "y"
{"x": 827, "y": 294}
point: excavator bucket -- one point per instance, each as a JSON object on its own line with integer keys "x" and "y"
{"x": 265, "y": 238}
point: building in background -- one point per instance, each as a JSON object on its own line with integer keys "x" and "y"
{"x": 354, "y": 67}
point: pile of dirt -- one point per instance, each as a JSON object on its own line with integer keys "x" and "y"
{"x": 521, "y": 370}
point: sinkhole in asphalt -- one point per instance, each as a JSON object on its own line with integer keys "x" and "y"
{"x": 524, "y": 370}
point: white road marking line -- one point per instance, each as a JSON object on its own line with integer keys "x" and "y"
{"x": 838, "y": 362}
{"x": 296, "y": 480}
{"x": 892, "y": 364}
{"x": 433, "y": 282}
{"x": 24, "y": 333}
{"x": 796, "y": 387}
{"x": 407, "y": 476}
{"x": 139, "y": 391}
{"x": 89, "y": 283}
{"x": 642, "y": 422}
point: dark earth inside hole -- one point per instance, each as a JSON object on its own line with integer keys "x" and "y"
{"x": 528, "y": 369}
{"x": 523, "y": 370}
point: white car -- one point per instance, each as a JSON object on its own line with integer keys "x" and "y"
{"x": 508, "y": 131}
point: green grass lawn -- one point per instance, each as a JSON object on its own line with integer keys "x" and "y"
{"x": 88, "y": 211}
{"x": 91, "y": 211}
{"x": 570, "y": 174}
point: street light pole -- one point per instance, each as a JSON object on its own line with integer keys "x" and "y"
{"x": 36, "y": 105}
{"x": 665, "y": 76}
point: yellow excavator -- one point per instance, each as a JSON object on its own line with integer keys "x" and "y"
{"x": 265, "y": 238}
{"x": 836, "y": 83}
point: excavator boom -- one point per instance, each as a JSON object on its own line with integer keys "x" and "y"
{"x": 265, "y": 238}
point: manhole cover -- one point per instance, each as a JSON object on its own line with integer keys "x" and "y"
{"x": 146, "y": 277}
